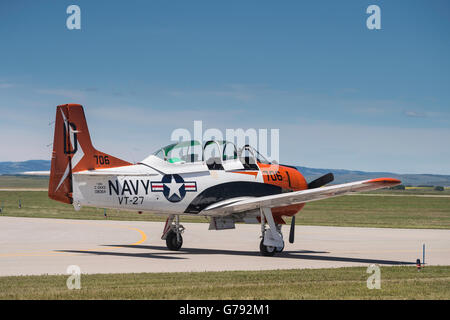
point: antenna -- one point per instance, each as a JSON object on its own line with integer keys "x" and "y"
{"x": 49, "y": 124}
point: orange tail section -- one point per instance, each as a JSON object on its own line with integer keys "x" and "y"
{"x": 73, "y": 152}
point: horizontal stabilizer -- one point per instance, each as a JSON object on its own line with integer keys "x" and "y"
{"x": 35, "y": 173}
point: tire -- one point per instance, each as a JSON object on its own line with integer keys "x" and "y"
{"x": 280, "y": 249}
{"x": 266, "y": 250}
{"x": 172, "y": 241}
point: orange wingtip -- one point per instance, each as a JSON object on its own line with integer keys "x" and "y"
{"x": 385, "y": 180}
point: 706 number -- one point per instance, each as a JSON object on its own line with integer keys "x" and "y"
{"x": 101, "y": 159}
{"x": 273, "y": 175}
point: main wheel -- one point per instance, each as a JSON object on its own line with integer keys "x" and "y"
{"x": 172, "y": 241}
{"x": 280, "y": 249}
{"x": 267, "y": 251}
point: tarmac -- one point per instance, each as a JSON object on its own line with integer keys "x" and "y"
{"x": 35, "y": 246}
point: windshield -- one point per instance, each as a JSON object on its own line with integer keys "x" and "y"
{"x": 186, "y": 151}
{"x": 216, "y": 148}
{"x": 261, "y": 158}
{"x": 211, "y": 151}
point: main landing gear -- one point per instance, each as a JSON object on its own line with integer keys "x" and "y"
{"x": 271, "y": 239}
{"x": 172, "y": 233}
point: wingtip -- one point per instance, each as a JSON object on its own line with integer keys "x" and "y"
{"x": 386, "y": 181}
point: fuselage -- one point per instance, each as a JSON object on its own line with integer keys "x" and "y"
{"x": 184, "y": 189}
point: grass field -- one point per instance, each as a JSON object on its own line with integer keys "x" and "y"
{"x": 412, "y": 191}
{"x": 358, "y": 210}
{"x": 23, "y": 182}
{"x": 20, "y": 181}
{"x": 342, "y": 283}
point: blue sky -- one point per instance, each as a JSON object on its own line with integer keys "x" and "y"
{"x": 342, "y": 96}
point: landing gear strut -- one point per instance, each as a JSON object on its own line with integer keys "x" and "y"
{"x": 272, "y": 239}
{"x": 172, "y": 233}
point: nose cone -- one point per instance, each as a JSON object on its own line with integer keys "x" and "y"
{"x": 296, "y": 180}
{"x": 286, "y": 177}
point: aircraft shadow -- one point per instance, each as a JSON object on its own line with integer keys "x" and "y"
{"x": 298, "y": 254}
{"x": 123, "y": 254}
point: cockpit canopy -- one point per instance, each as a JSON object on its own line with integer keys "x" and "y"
{"x": 212, "y": 152}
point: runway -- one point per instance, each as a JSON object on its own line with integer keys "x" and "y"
{"x": 48, "y": 246}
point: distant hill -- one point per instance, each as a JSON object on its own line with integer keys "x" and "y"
{"x": 341, "y": 175}
{"x": 18, "y": 167}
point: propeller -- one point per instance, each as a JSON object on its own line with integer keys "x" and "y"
{"x": 292, "y": 231}
{"x": 323, "y": 180}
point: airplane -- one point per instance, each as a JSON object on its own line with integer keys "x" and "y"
{"x": 215, "y": 179}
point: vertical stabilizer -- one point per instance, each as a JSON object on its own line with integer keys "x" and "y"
{"x": 73, "y": 152}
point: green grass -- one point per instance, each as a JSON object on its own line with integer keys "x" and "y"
{"x": 341, "y": 283}
{"x": 361, "y": 211}
{"x": 23, "y": 182}
{"x": 37, "y": 204}
{"x": 378, "y": 211}
{"x": 418, "y": 191}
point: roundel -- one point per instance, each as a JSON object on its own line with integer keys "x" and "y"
{"x": 174, "y": 189}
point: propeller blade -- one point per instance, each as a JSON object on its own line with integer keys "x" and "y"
{"x": 292, "y": 231}
{"x": 323, "y": 180}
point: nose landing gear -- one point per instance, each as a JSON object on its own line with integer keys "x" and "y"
{"x": 272, "y": 239}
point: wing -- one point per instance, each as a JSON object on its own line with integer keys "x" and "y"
{"x": 284, "y": 199}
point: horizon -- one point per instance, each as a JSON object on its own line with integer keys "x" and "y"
{"x": 298, "y": 166}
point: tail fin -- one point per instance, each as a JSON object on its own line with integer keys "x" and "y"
{"x": 73, "y": 152}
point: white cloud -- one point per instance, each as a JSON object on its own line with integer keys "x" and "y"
{"x": 6, "y": 85}
{"x": 237, "y": 91}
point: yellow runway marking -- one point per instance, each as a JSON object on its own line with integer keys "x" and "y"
{"x": 143, "y": 236}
